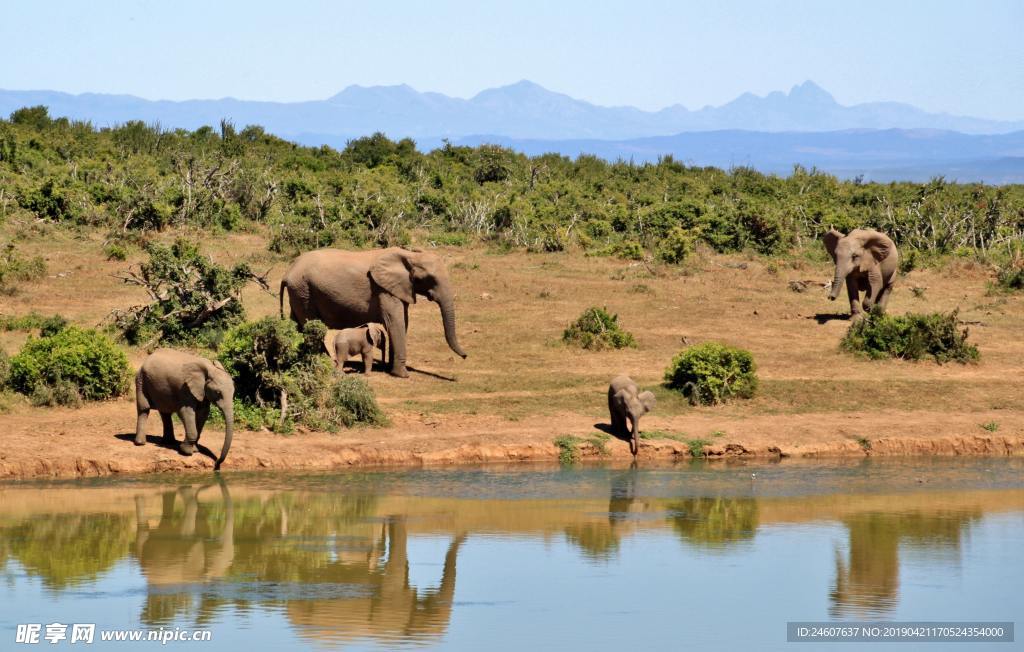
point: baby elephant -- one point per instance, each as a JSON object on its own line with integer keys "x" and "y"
{"x": 172, "y": 381}
{"x": 625, "y": 400}
{"x": 361, "y": 340}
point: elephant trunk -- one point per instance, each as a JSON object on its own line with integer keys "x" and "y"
{"x": 448, "y": 317}
{"x": 227, "y": 408}
{"x": 837, "y": 282}
{"x": 634, "y": 440}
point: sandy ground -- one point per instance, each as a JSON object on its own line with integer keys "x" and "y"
{"x": 521, "y": 387}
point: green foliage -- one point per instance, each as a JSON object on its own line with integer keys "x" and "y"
{"x": 676, "y": 247}
{"x": 138, "y": 177}
{"x": 568, "y": 449}
{"x": 72, "y": 361}
{"x": 1011, "y": 278}
{"x": 193, "y": 298}
{"x": 864, "y": 443}
{"x": 911, "y": 337}
{"x": 5, "y": 368}
{"x": 597, "y": 329}
{"x": 696, "y": 447}
{"x": 270, "y": 358}
{"x": 115, "y": 251}
{"x": 712, "y": 373}
{"x": 16, "y": 269}
{"x": 32, "y": 321}
{"x": 990, "y": 426}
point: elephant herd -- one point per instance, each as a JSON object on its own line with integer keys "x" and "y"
{"x": 365, "y": 295}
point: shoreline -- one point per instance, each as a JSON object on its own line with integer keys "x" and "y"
{"x": 36, "y": 450}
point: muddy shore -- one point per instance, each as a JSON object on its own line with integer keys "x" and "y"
{"x": 96, "y": 441}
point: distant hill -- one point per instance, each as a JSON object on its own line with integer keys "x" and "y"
{"x": 520, "y": 110}
{"x": 804, "y": 126}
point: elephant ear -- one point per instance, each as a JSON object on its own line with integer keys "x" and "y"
{"x": 392, "y": 272}
{"x": 195, "y": 376}
{"x": 879, "y": 245}
{"x": 832, "y": 239}
{"x": 647, "y": 398}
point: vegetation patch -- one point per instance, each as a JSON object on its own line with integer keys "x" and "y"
{"x": 712, "y": 373}
{"x": 911, "y": 337}
{"x": 696, "y": 447}
{"x": 192, "y": 299}
{"x": 70, "y": 365}
{"x": 15, "y": 268}
{"x": 282, "y": 378}
{"x": 1011, "y": 278}
{"x": 33, "y": 321}
{"x": 990, "y": 426}
{"x": 597, "y": 329}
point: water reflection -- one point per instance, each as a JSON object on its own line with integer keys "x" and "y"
{"x": 867, "y": 580}
{"x": 332, "y": 558}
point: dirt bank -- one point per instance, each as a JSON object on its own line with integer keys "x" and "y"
{"x": 96, "y": 441}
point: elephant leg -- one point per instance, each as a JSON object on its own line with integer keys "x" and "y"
{"x": 853, "y": 292}
{"x": 188, "y": 417}
{"x": 168, "y": 420}
{"x": 368, "y": 360}
{"x": 202, "y": 414}
{"x": 140, "y": 427}
{"x": 395, "y": 312}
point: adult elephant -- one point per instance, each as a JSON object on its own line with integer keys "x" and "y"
{"x": 344, "y": 289}
{"x": 866, "y": 261}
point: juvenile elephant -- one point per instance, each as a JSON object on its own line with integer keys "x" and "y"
{"x": 867, "y": 261}
{"x": 626, "y": 401}
{"x": 348, "y": 288}
{"x": 361, "y": 340}
{"x": 175, "y": 381}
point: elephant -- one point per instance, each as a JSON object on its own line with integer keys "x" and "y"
{"x": 626, "y": 401}
{"x": 172, "y": 381}
{"x": 361, "y": 340}
{"x": 867, "y": 261}
{"x": 348, "y": 288}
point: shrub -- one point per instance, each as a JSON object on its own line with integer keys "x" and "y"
{"x": 72, "y": 358}
{"x": 193, "y": 299}
{"x": 5, "y": 368}
{"x": 911, "y": 337}
{"x": 33, "y": 320}
{"x": 597, "y": 329}
{"x": 1011, "y": 278}
{"x": 270, "y": 358}
{"x": 712, "y": 373}
{"x": 676, "y": 247}
{"x": 16, "y": 269}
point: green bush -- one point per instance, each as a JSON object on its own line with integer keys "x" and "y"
{"x": 5, "y": 368}
{"x": 1011, "y": 278}
{"x": 712, "y": 373}
{"x": 72, "y": 358}
{"x": 16, "y": 269}
{"x": 194, "y": 299}
{"x": 910, "y": 337}
{"x": 270, "y": 358}
{"x": 597, "y": 329}
{"x": 32, "y": 321}
{"x": 676, "y": 247}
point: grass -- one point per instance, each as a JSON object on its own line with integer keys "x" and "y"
{"x": 569, "y": 446}
{"x": 990, "y": 426}
{"x": 864, "y": 443}
{"x": 696, "y": 447}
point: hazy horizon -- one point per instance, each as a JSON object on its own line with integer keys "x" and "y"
{"x": 942, "y": 57}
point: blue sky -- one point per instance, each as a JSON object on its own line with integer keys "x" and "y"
{"x": 963, "y": 57}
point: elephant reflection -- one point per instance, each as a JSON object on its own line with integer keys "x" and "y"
{"x": 598, "y": 540}
{"x": 181, "y": 552}
{"x": 867, "y": 583}
{"x": 387, "y": 606}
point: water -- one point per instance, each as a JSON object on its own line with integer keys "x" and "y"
{"x": 709, "y": 556}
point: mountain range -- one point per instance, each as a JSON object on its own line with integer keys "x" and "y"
{"x": 773, "y": 132}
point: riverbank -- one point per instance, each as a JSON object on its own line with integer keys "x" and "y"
{"x": 96, "y": 441}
